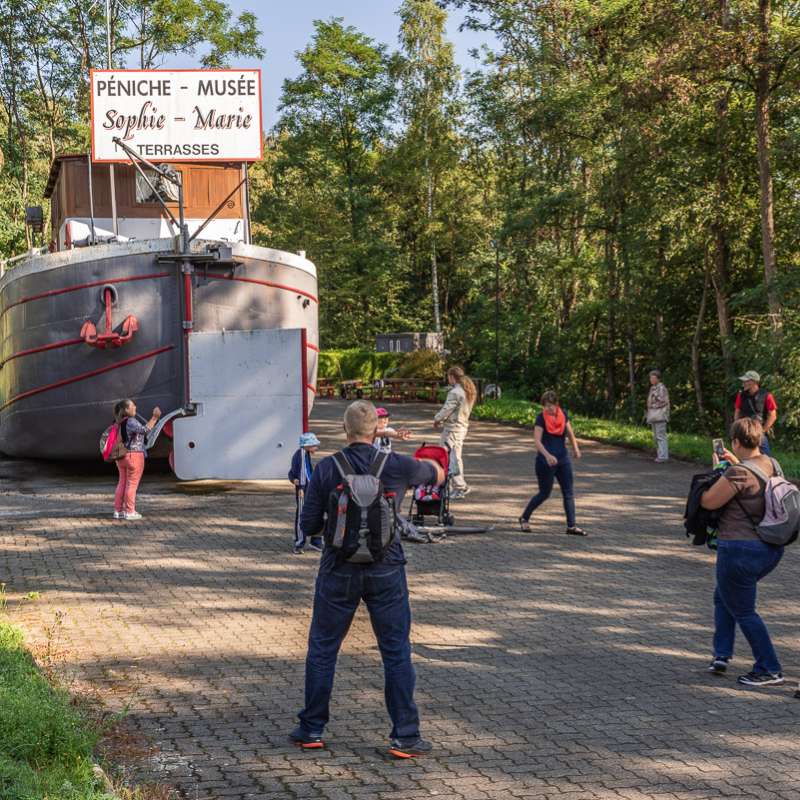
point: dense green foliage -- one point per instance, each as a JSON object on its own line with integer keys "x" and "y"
{"x": 355, "y": 364}
{"x": 630, "y": 168}
{"x": 682, "y": 445}
{"x": 635, "y": 163}
{"x": 367, "y": 365}
{"x": 45, "y": 744}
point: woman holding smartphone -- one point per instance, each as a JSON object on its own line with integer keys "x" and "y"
{"x": 551, "y": 431}
{"x": 743, "y": 559}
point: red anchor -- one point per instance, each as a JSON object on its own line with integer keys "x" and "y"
{"x": 110, "y": 338}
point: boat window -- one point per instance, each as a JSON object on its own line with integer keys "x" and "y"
{"x": 166, "y": 189}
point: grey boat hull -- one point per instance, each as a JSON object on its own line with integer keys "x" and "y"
{"x": 57, "y": 392}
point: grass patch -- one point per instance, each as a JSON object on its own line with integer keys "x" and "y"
{"x": 46, "y": 743}
{"x": 691, "y": 446}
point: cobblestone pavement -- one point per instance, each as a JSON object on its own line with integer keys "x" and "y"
{"x": 548, "y": 666}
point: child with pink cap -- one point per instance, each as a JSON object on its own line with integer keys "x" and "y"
{"x": 385, "y": 433}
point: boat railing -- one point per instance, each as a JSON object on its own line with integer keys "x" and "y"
{"x": 5, "y": 263}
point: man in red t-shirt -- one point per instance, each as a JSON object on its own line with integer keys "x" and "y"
{"x": 756, "y": 403}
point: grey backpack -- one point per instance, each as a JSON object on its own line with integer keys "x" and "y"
{"x": 781, "y": 521}
{"x": 361, "y": 522}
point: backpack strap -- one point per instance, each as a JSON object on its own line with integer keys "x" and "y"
{"x": 378, "y": 463}
{"x": 346, "y": 468}
{"x": 753, "y": 522}
{"x": 760, "y": 474}
{"x": 342, "y": 464}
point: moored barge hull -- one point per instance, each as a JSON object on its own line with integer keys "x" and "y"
{"x": 57, "y": 391}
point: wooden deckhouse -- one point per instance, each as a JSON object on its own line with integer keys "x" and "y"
{"x": 80, "y": 216}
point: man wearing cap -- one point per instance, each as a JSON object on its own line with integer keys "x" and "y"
{"x": 658, "y": 415}
{"x": 300, "y": 474}
{"x": 756, "y": 403}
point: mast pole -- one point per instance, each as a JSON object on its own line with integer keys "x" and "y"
{"x": 114, "y": 223}
{"x": 91, "y": 199}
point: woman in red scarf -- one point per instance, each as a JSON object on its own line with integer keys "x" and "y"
{"x": 552, "y": 461}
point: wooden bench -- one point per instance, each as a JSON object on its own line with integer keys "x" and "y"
{"x": 407, "y": 390}
{"x": 326, "y": 387}
{"x": 350, "y": 389}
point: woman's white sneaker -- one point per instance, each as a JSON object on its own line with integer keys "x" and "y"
{"x": 761, "y": 679}
{"x": 118, "y": 515}
{"x": 134, "y": 515}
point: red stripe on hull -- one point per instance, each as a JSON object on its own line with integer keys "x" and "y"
{"x": 42, "y": 349}
{"x": 271, "y": 284}
{"x": 304, "y": 379}
{"x": 83, "y": 376}
{"x": 54, "y": 292}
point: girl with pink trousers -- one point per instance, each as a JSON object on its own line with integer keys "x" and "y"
{"x": 131, "y": 465}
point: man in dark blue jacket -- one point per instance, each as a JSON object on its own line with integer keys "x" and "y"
{"x": 341, "y": 586}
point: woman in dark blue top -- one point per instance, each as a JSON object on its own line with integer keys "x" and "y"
{"x": 551, "y": 431}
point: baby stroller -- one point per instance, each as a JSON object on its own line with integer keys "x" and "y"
{"x": 433, "y": 501}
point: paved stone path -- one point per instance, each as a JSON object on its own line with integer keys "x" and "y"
{"x": 548, "y": 666}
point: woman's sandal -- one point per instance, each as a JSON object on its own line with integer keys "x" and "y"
{"x": 524, "y": 526}
{"x": 576, "y": 531}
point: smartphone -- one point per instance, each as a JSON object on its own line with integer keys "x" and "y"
{"x": 719, "y": 447}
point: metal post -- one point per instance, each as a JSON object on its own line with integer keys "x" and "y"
{"x": 114, "y": 223}
{"x": 91, "y": 199}
{"x": 246, "y": 177}
{"x": 496, "y": 313}
{"x": 187, "y": 270}
{"x": 182, "y": 217}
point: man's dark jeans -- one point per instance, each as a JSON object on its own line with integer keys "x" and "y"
{"x": 337, "y": 596}
{"x": 740, "y": 565}
{"x": 546, "y": 475}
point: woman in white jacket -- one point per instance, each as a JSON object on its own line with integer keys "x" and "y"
{"x": 453, "y": 418}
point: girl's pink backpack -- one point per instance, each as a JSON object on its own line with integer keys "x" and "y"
{"x": 111, "y": 446}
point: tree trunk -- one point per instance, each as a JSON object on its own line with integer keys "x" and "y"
{"x": 628, "y": 297}
{"x": 437, "y": 324}
{"x": 611, "y": 333}
{"x": 592, "y": 346}
{"x": 721, "y": 260}
{"x": 661, "y": 277}
{"x": 698, "y": 330}
{"x": 763, "y": 76}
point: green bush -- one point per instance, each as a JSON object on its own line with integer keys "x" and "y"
{"x": 350, "y": 365}
{"x": 423, "y": 364}
{"x": 681, "y": 445}
{"x": 45, "y": 743}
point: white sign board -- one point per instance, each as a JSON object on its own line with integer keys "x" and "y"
{"x": 177, "y": 115}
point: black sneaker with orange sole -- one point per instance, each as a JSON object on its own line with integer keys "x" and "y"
{"x": 306, "y": 741}
{"x": 413, "y": 749}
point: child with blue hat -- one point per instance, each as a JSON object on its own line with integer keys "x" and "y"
{"x": 300, "y": 475}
